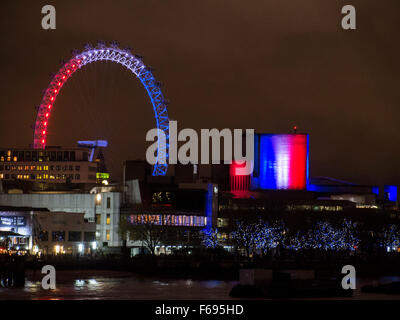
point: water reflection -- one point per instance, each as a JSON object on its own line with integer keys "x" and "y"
{"x": 122, "y": 288}
{"x": 136, "y": 287}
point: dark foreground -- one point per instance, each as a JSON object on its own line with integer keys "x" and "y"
{"x": 95, "y": 285}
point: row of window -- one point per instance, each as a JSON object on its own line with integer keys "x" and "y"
{"x": 169, "y": 220}
{"x": 40, "y": 176}
{"x": 8, "y": 155}
{"x": 40, "y": 168}
{"x": 73, "y": 236}
{"x": 313, "y": 208}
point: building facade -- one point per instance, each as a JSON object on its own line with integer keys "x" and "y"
{"x": 45, "y": 232}
{"x": 33, "y": 169}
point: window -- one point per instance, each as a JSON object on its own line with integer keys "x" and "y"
{"x": 58, "y": 236}
{"x": 20, "y": 155}
{"x": 108, "y": 220}
{"x": 89, "y": 236}
{"x": 75, "y": 236}
{"x": 108, "y": 202}
{"x": 98, "y": 218}
{"x": 77, "y": 176}
{"x": 44, "y": 236}
{"x": 108, "y": 235}
{"x": 77, "y": 168}
{"x": 71, "y": 168}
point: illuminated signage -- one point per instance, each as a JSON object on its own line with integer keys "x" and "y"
{"x": 102, "y": 175}
{"x": 12, "y": 221}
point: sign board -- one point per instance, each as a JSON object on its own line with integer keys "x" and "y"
{"x": 102, "y": 175}
{"x": 12, "y": 221}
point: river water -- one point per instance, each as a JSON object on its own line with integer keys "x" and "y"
{"x": 72, "y": 285}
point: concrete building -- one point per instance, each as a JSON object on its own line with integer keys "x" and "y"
{"x": 102, "y": 207}
{"x": 53, "y": 168}
{"x": 46, "y": 232}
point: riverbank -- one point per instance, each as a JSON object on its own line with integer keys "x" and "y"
{"x": 111, "y": 285}
{"x": 215, "y": 268}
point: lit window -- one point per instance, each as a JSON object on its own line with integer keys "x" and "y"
{"x": 108, "y": 235}
{"x": 108, "y": 220}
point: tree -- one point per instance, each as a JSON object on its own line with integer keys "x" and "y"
{"x": 325, "y": 236}
{"x": 269, "y": 236}
{"x": 210, "y": 238}
{"x": 245, "y": 236}
{"x": 150, "y": 229}
{"x": 390, "y": 237}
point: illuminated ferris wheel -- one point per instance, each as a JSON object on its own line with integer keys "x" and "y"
{"x": 131, "y": 62}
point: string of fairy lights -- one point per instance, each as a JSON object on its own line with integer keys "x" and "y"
{"x": 261, "y": 237}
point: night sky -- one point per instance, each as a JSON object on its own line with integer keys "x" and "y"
{"x": 258, "y": 64}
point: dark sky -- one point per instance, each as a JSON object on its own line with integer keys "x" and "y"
{"x": 262, "y": 64}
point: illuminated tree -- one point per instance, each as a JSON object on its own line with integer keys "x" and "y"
{"x": 245, "y": 236}
{"x": 210, "y": 238}
{"x": 325, "y": 236}
{"x": 390, "y": 237}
